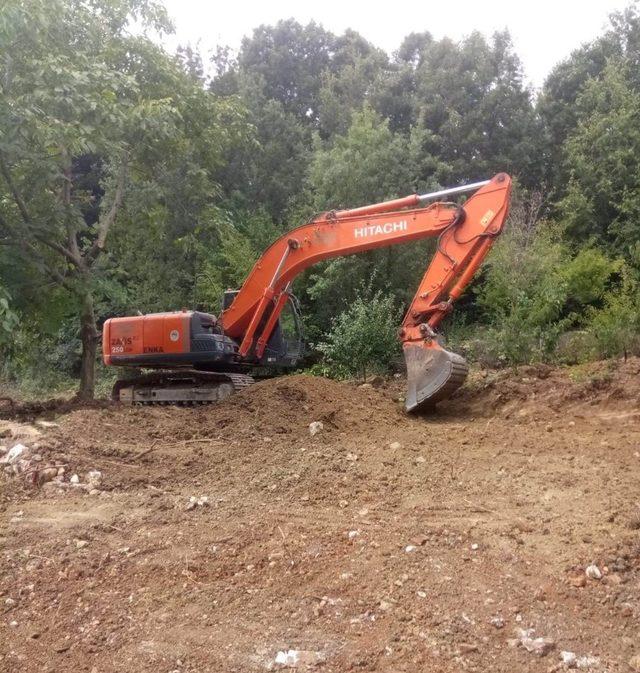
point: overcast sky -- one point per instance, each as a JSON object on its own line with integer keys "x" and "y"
{"x": 544, "y": 31}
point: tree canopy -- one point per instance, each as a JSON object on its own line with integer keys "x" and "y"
{"x": 136, "y": 179}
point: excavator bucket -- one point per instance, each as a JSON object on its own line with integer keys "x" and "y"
{"x": 433, "y": 374}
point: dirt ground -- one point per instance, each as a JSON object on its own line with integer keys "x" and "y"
{"x": 385, "y": 542}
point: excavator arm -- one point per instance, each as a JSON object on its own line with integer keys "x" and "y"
{"x": 465, "y": 235}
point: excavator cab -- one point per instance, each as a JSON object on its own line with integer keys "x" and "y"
{"x": 285, "y": 347}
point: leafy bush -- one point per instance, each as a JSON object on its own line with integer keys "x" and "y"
{"x": 363, "y": 339}
{"x": 536, "y": 289}
{"x": 615, "y": 328}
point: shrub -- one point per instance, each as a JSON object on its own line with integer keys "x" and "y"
{"x": 364, "y": 338}
{"x": 536, "y": 288}
{"x": 614, "y": 327}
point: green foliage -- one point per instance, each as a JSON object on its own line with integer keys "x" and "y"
{"x": 364, "y": 338}
{"x": 603, "y": 156}
{"x": 471, "y": 96}
{"x": 615, "y": 328}
{"x": 557, "y": 104}
{"x": 289, "y": 59}
{"x": 523, "y": 295}
{"x": 227, "y": 262}
{"x": 587, "y": 276}
{"x": 369, "y": 163}
{"x": 92, "y": 118}
{"x": 103, "y": 132}
{"x": 535, "y": 288}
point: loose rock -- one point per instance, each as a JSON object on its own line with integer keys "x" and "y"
{"x": 299, "y": 658}
{"x": 202, "y": 501}
{"x": 94, "y": 478}
{"x": 315, "y": 427}
{"x": 593, "y": 572}
{"x": 19, "y": 451}
{"x": 538, "y": 646}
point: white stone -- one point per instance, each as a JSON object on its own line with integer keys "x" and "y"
{"x": 315, "y": 427}
{"x": 47, "y": 424}
{"x": 593, "y": 572}
{"x": 538, "y": 646}
{"x": 94, "y": 478}
{"x": 304, "y": 659}
{"x": 19, "y": 451}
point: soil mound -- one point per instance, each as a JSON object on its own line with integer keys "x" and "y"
{"x": 541, "y": 388}
{"x": 228, "y": 538}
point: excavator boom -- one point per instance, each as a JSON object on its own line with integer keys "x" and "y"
{"x": 243, "y": 337}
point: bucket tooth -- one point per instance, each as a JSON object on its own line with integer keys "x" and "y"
{"x": 433, "y": 374}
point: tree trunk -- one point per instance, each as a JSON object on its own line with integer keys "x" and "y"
{"x": 89, "y": 337}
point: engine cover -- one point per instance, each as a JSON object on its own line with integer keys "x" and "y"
{"x": 166, "y": 339}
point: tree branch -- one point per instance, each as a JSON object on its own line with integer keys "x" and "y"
{"x": 14, "y": 190}
{"x": 29, "y": 249}
{"x": 24, "y": 213}
{"x": 109, "y": 218}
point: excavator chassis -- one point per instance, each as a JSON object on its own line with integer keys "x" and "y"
{"x": 185, "y": 387}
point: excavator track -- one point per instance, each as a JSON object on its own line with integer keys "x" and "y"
{"x": 184, "y": 387}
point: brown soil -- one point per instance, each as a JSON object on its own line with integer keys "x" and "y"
{"x": 376, "y": 558}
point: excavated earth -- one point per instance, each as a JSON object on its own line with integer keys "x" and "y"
{"x": 385, "y": 542}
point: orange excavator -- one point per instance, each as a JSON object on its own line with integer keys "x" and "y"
{"x": 196, "y": 357}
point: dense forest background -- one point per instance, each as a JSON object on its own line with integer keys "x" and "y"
{"x": 132, "y": 179}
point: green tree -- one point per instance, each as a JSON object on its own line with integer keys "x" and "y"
{"x": 287, "y": 60}
{"x": 536, "y": 287}
{"x": 86, "y": 109}
{"x": 565, "y": 84}
{"x": 366, "y": 165}
{"x": 8, "y": 318}
{"x": 603, "y": 163}
{"x": 471, "y": 97}
{"x": 356, "y": 72}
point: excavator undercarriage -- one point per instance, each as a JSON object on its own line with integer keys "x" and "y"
{"x": 185, "y": 387}
{"x": 199, "y": 358}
